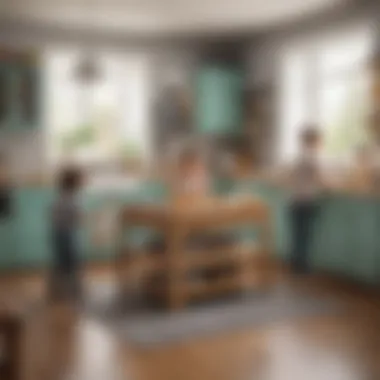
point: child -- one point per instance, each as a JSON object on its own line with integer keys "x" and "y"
{"x": 65, "y": 224}
{"x": 306, "y": 185}
{"x": 191, "y": 177}
{"x": 5, "y": 190}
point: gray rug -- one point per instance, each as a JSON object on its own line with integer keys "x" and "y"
{"x": 148, "y": 328}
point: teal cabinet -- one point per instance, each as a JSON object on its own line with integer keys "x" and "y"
{"x": 32, "y": 217}
{"x": 345, "y": 239}
{"x": 218, "y": 100}
{"x": 362, "y": 231}
{"x": 5, "y": 97}
{"x": 329, "y": 240}
{"x": 25, "y": 238}
{"x": 20, "y": 96}
{"x": 26, "y": 91}
{"x": 346, "y": 236}
{"x": 8, "y": 247}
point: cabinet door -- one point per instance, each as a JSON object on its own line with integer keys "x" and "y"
{"x": 362, "y": 250}
{"x": 218, "y": 108}
{"x": 32, "y": 212}
{"x": 25, "y": 97}
{"x": 5, "y": 97}
{"x": 8, "y": 246}
{"x": 330, "y": 244}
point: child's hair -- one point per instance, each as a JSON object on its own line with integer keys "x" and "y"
{"x": 188, "y": 156}
{"x": 310, "y": 135}
{"x": 69, "y": 179}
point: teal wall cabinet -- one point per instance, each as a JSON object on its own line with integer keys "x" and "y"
{"x": 218, "y": 100}
{"x": 20, "y": 96}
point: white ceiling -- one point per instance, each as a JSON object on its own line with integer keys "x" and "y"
{"x": 162, "y": 16}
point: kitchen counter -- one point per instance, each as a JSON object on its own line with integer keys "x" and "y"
{"x": 346, "y": 236}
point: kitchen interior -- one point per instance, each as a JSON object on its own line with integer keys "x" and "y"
{"x": 195, "y": 287}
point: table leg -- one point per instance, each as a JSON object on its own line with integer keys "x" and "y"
{"x": 267, "y": 241}
{"x": 13, "y": 348}
{"x": 122, "y": 264}
{"x": 176, "y": 283}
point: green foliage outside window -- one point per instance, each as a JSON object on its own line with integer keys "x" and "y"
{"x": 80, "y": 137}
{"x": 348, "y": 129}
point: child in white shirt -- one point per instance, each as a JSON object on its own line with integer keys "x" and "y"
{"x": 306, "y": 185}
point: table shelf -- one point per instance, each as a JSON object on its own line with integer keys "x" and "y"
{"x": 175, "y": 274}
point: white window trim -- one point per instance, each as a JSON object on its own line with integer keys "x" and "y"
{"x": 310, "y": 46}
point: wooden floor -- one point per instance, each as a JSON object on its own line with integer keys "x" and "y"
{"x": 64, "y": 345}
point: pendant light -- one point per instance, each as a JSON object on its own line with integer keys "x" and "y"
{"x": 87, "y": 71}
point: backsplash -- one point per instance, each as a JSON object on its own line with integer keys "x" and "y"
{"x": 26, "y": 154}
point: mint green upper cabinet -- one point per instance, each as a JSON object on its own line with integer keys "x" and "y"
{"x": 218, "y": 100}
{"x": 5, "y": 97}
{"x": 8, "y": 243}
{"x": 26, "y": 97}
{"x": 20, "y": 96}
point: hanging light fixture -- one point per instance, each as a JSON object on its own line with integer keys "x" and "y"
{"x": 87, "y": 70}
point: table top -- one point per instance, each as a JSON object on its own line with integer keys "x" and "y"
{"x": 11, "y": 313}
{"x": 200, "y": 214}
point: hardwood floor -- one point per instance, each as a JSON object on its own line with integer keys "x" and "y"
{"x": 62, "y": 344}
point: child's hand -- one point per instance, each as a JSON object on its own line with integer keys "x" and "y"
{"x": 329, "y": 184}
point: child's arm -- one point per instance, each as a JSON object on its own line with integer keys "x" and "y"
{"x": 326, "y": 181}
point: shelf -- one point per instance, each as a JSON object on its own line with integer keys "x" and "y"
{"x": 214, "y": 287}
{"x": 207, "y": 259}
{"x": 147, "y": 262}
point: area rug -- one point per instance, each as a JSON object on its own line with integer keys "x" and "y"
{"x": 141, "y": 325}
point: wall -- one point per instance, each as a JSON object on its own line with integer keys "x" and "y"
{"x": 265, "y": 52}
{"x": 174, "y": 61}
{"x": 171, "y": 63}
{"x": 25, "y": 152}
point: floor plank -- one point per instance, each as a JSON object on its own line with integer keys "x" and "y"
{"x": 63, "y": 344}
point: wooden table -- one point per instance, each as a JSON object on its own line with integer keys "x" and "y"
{"x": 176, "y": 221}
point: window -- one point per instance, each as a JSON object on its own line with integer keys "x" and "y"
{"x": 101, "y": 122}
{"x": 326, "y": 82}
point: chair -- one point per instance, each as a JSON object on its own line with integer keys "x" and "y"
{"x": 11, "y": 328}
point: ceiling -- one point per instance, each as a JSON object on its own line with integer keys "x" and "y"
{"x": 162, "y": 16}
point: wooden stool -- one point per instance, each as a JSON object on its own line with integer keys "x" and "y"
{"x": 11, "y": 332}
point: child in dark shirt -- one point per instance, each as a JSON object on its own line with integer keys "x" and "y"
{"x": 65, "y": 224}
{"x": 5, "y": 190}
